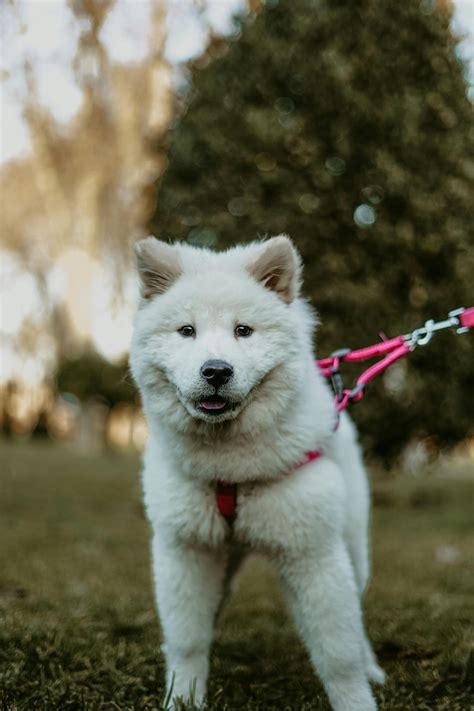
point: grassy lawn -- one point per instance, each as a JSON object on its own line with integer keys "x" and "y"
{"x": 78, "y": 628}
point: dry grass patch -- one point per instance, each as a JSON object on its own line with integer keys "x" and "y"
{"x": 78, "y": 629}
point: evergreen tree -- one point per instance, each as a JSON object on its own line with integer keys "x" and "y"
{"x": 346, "y": 125}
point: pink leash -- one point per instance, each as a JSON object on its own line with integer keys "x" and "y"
{"x": 392, "y": 349}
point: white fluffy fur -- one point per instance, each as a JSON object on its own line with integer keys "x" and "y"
{"x": 312, "y": 522}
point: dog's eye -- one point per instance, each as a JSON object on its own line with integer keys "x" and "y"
{"x": 242, "y": 331}
{"x": 187, "y": 331}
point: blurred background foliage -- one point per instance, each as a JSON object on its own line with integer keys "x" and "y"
{"x": 346, "y": 125}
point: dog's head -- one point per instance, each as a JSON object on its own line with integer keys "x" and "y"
{"x": 219, "y": 336}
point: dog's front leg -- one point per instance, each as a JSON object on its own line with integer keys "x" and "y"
{"x": 188, "y": 588}
{"x": 322, "y": 595}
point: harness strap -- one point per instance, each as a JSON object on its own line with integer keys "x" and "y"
{"x": 226, "y": 500}
{"x": 309, "y": 457}
{"x": 226, "y": 494}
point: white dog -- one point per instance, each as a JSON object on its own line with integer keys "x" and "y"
{"x": 222, "y": 354}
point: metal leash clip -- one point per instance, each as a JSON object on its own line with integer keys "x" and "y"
{"x": 423, "y": 335}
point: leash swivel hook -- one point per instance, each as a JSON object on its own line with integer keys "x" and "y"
{"x": 423, "y": 335}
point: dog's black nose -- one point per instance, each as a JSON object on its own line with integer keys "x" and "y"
{"x": 217, "y": 372}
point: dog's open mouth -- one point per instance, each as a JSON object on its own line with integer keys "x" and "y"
{"x": 214, "y": 405}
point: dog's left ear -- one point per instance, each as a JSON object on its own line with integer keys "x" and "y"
{"x": 277, "y": 266}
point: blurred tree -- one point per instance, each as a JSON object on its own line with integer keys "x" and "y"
{"x": 348, "y": 126}
{"x": 85, "y": 186}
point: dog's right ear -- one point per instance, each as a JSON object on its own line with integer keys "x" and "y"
{"x": 158, "y": 266}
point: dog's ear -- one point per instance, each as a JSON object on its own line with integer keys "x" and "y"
{"x": 158, "y": 266}
{"x": 277, "y": 266}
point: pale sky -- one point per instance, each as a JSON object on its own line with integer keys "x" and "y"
{"x": 49, "y": 38}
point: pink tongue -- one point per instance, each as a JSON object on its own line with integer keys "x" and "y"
{"x": 210, "y": 405}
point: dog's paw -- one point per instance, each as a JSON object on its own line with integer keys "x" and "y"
{"x": 375, "y": 673}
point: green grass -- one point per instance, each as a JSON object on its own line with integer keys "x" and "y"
{"x": 77, "y": 623}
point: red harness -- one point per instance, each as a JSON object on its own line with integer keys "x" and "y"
{"x": 226, "y": 494}
{"x": 391, "y": 349}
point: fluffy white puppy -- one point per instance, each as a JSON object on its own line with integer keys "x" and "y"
{"x": 222, "y": 353}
